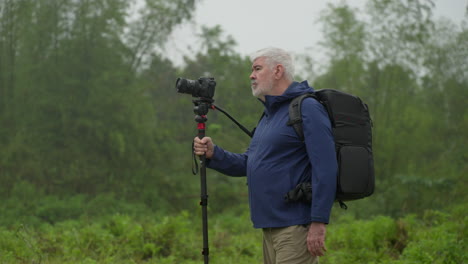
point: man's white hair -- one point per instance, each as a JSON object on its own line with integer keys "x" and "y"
{"x": 274, "y": 56}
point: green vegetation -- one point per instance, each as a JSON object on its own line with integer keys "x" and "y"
{"x": 95, "y": 142}
{"x": 138, "y": 237}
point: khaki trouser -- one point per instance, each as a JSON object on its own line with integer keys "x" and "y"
{"x": 286, "y": 245}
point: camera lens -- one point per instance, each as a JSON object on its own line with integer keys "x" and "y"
{"x": 182, "y": 86}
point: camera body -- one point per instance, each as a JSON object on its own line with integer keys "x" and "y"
{"x": 203, "y": 87}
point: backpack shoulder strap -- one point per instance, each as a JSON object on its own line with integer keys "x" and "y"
{"x": 295, "y": 114}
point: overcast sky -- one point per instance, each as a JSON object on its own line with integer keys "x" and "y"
{"x": 291, "y": 25}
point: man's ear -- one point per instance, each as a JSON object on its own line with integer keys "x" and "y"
{"x": 279, "y": 71}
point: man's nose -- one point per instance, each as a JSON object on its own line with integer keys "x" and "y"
{"x": 252, "y": 76}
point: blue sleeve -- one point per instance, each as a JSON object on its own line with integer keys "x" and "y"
{"x": 320, "y": 147}
{"x": 228, "y": 163}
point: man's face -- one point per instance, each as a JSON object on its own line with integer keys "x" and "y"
{"x": 261, "y": 78}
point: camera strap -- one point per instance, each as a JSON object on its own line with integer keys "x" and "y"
{"x": 195, "y": 163}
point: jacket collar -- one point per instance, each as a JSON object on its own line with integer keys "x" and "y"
{"x": 294, "y": 90}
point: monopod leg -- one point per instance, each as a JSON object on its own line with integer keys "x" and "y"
{"x": 204, "y": 196}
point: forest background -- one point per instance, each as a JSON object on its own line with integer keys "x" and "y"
{"x": 95, "y": 160}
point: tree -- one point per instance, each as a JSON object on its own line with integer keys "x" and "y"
{"x": 397, "y": 60}
{"x": 74, "y": 117}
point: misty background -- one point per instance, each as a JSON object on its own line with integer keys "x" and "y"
{"x": 96, "y": 160}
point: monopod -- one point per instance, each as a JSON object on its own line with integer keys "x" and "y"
{"x": 203, "y": 88}
{"x": 201, "y": 110}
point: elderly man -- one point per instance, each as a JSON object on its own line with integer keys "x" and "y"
{"x": 277, "y": 161}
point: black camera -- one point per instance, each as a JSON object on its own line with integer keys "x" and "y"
{"x": 203, "y": 87}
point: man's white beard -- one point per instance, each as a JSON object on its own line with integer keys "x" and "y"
{"x": 261, "y": 90}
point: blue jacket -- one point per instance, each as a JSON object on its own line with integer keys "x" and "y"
{"x": 276, "y": 161}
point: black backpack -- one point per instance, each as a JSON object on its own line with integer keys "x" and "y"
{"x": 352, "y": 130}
